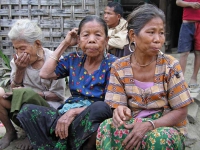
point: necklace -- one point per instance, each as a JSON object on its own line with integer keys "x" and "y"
{"x": 140, "y": 64}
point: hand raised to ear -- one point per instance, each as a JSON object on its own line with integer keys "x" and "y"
{"x": 72, "y": 37}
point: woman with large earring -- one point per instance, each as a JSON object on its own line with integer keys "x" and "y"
{"x": 146, "y": 91}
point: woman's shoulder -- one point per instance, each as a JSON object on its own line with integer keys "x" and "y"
{"x": 122, "y": 63}
{"x": 168, "y": 59}
{"x": 111, "y": 58}
{"x": 123, "y": 60}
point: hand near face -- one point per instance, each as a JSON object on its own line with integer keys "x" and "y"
{"x": 121, "y": 114}
{"x": 22, "y": 61}
{"x": 63, "y": 124}
{"x": 71, "y": 37}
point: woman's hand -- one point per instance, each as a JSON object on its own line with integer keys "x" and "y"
{"x": 22, "y": 61}
{"x": 121, "y": 114}
{"x": 134, "y": 138}
{"x": 63, "y": 124}
{"x": 72, "y": 37}
{"x": 195, "y": 5}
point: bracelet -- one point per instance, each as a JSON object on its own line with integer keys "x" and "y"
{"x": 44, "y": 95}
{"x": 55, "y": 58}
{"x": 152, "y": 124}
{"x": 17, "y": 84}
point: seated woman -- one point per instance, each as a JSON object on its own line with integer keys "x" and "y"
{"x": 75, "y": 124}
{"x": 146, "y": 90}
{"x": 30, "y": 56}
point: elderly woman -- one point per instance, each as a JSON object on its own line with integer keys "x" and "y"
{"x": 30, "y": 56}
{"x": 146, "y": 90}
{"x": 75, "y": 124}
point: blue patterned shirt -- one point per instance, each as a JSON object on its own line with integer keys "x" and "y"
{"x": 84, "y": 86}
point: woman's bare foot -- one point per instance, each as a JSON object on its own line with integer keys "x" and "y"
{"x": 7, "y": 138}
{"x": 24, "y": 144}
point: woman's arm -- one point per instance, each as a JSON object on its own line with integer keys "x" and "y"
{"x": 172, "y": 118}
{"x": 49, "y": 96}
{"x": 47, "y": 71}
{"x": 182, "y": 3}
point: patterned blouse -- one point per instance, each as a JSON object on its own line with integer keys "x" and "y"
{"x": 168, "y": 92}
{"x": 82, "y": 85}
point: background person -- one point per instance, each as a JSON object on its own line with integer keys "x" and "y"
{"x": 146, "y": 90}
{"x": 189, "y": 38}
{"x": 117, "y": 32}
{"x": 75, "y": 124}
{"x": 30, "y": 56}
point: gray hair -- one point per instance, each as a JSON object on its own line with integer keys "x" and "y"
{"x": 142, "y": 15}
{"x": 25, "y": 29}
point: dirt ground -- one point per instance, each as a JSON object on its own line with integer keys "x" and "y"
{"x": 194, "y": 129}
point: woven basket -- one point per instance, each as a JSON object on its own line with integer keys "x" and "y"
{"x": 55, "y": 17}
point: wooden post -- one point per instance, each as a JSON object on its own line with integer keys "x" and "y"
{"x": 165, "y": 6}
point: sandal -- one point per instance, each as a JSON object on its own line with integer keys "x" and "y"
{"x": 195, "y": 90}
{"x": 193, "y": 86}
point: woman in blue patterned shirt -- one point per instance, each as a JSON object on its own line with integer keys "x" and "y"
{"x": 75, "y": 124}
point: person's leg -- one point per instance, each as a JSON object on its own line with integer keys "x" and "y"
{"x": 185, "y": 43}
{"x": 102, "y": 112}
{"x": 193, "y": 79}
{"x": 183, "y": 60}
{"x": 37, "y": 122}
{"x": 163, "y": 138}
{"x": 110, "y": 137}
{"x": 82, "y": 131}
{"x": 10, "y": 134}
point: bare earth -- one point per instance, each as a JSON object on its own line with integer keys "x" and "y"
{"x": 194, "y": 129}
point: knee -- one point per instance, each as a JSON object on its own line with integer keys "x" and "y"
{"x": 197, "y": 53}
{"x": 184, "y": 55}
{"x": 2, "y": 92}
{"x": 29, "y": 106}
{"x": 164, "y": 133}
{"x": 26, "y": 108}
{"x": 101, "y": 109}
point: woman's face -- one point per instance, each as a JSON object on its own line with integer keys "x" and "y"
{"x": 92, "y": 39}
{"x": 151, "y": 37}
{"x": 22, "y": 47}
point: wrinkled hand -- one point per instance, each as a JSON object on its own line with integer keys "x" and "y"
{"x": 134, "y": 138}
{"x": 120, "y": 115}
{"x": 22, "y": 61}
{"x": 63, "y": 124}
{"x": 195, "y": 5}
{"x": 72, "y": 37}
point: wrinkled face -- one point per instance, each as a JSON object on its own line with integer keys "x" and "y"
{"x": 151, "y": 37}
{"x": 110, "y": 17}
{"x": 92, "y": 39}
{"x": 22, "y": 46}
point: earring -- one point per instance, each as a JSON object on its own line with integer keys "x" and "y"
{"x": 38, "y": 55}
{"x": 130, "y": 47}
{"x": 105, "y": 53}
{"x": 77, "y": 52}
